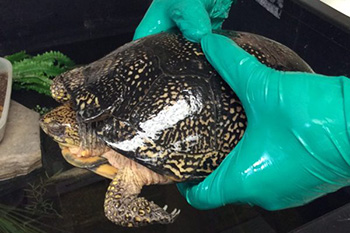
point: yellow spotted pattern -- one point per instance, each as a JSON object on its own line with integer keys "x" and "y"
{"x": 115, "y": 96}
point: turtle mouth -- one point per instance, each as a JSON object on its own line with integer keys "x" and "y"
{"x": 80, "y": 152}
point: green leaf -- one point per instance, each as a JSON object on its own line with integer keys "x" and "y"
{"x": 38, "y": 88}
{"x": 55, "y": 57}
{"x": 36, "y": 68}
{"x": 16, "y": 57}
{"x": 36, "y": 73}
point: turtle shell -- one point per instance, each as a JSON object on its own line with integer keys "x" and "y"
{"x": 158, "y": 101}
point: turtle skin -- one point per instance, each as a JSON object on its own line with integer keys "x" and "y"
{"x": 158, "y": 102}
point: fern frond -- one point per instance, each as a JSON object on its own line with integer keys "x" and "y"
{"x": 38, "y": 68}
{"x": 36, "y": 73}
{"x": 37, "y": 80}
{"x": 33, "y": 87}
{"x": 16, "y": 57}
{"x": 56, "y": 58}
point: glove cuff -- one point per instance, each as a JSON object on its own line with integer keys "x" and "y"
{"x": 219, "y": 12}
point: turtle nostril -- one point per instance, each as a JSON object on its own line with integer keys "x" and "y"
{"x": 41, "y": 121}
{"x": 42, "y": 124}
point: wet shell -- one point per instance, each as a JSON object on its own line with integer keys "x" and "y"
{"x": 159, "y": 102}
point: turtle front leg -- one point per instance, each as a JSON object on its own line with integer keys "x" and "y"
{"x": 123, "y": 206}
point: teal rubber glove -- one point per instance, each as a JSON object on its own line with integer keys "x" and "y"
{"x": 297, "y": 144}
{"x": 194, "y": 18}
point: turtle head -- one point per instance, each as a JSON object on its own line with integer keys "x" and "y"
{"x": 61, "y": 125}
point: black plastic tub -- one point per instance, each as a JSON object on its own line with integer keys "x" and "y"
{"x": 86, "y": 31}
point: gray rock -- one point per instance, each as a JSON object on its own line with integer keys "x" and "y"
{"x": 20, "y": 151}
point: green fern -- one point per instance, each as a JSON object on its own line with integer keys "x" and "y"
{"x": 17, "y": 56}
{"x": 36, "y": 73}
{"x": 55, "y": 57}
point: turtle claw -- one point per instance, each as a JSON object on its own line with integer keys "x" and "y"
{"x": 162, "y": 216}
{"x": 175, "y": 213}
{"x": 127, "y": 209}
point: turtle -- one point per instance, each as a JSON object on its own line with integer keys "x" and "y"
{"x": 153, "y": 111}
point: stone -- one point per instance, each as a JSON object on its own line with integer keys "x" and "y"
{"x": 20, "y": 151}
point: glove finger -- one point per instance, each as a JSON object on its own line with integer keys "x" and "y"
{"x": 199, "y": 195}
{"x": 227, "y": 184}
{"x": 156, "y": 20}
{"x": 218, "y": 189}
{"x": 194, "y": 23}
{"x": 183, "y": 187}
{"x": 233, "y": 64}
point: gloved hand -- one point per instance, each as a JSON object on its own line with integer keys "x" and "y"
{"x": 194, "y": 18}
{"x": 297, "y": 143}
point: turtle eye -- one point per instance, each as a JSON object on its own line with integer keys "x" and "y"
{"x": 56, "y": 129}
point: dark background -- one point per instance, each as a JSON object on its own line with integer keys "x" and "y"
{"x": 87, "y": 30}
